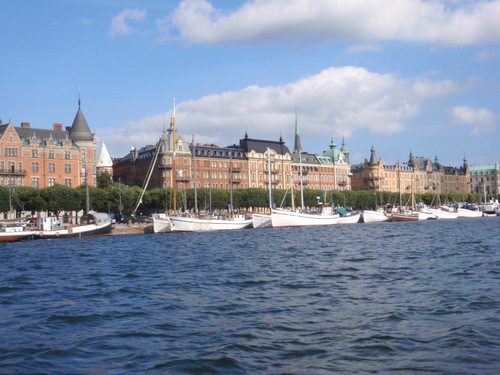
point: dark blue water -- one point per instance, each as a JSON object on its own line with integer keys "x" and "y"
{"x": 400, "y": 298}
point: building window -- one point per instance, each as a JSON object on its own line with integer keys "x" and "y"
{"x": 52, "y": 168}
{"x": 51, "y": 154}
{"x": 10, "y": 151}
{"x": 34, "y": 153}
{"x": 67, "y": 168}
{"x": 34, "y": 167}
{"x": 67, "y": 155}
{"x": 84, "y": 154}
{"x": 52, "y": 181}
{"x": 20, "y": 166}
{"x": 67, "y": 182}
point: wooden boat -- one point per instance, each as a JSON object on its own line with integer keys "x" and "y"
{"x": 444, "y": 213}
{"x": 91, "y": 224}
{"x": 206, "y": 223}
{"x": 322, "y": 216}
{"x": 371, "y": 216}
{"x": 260, "y": 220}
{"x": 16, "y": 232}
{"x": 404, "y": 216}
{"x": 466, "y": 212}
{"x": 161, "y": 223}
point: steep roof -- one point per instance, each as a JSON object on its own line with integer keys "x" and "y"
{"x": 260, "y": 145}
{"x": 104, "y": 160}
{"x": 80, "y": 130}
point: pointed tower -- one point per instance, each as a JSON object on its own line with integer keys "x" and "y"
{"x": 80, "y": 130}
{"x": 373, "y": 157}
{"x": 86, "y": 141}
{"x": 345, "y": 150}
{"x": 297, "y": 146}
{"x": 104, "y": 162}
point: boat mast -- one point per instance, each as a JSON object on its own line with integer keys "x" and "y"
{"x": 195, "y": 187}
{"x": 148, "y": 176}
{"x": 269, "y": 179}
{"x": 174, "y": 171}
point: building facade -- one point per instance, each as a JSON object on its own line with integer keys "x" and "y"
{"x": 42, "y": 158}
{"x": 250, "y": 164}
{"x": 419, "y": 175}
{"x": 485, "y": 179}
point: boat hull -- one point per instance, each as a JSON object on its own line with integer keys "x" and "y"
{"x": 463, "y": 212}
{"x": 281, "y": 219}
{"x": 261, "y": 221}
{"x": 370, "y": 216}
{"x": 162, "y": 225}
{"x": 441, "y": 214}
{"x": 404, "y": 217}
{"x": 190, "y": 224}
{"x": 76, "y": 231}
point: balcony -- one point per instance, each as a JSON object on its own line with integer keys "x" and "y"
{"x": 165, "y": 166}
{"x": 12, "y": 172}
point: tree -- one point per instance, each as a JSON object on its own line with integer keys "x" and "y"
{"x": 105, "y": 180}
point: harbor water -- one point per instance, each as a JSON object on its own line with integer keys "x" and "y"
{"x": 401, "y": 298}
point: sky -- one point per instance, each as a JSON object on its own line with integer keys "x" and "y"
{"x": 402, "y": 76}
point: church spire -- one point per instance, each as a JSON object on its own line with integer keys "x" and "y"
{"x": 297, "y": 146}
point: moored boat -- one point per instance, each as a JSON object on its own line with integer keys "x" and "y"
{"x": 16, "y": 232}
{"x": 207, "y": 223}
{"x": 404, "y": 216}
{"x": 261, "y": 221}
{"x": 161, "y": 223}
{"x": 91, "y": 224}
{"x": 323, "y": 216}
{"x": 371, "y": 216}
{"x": 444, "y": 213}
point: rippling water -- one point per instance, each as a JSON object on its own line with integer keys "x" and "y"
{"x": 369, "y": 298}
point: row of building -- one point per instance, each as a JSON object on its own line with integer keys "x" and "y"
{"x": 41, "y": 158}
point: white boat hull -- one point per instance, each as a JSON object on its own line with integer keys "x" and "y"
{"x": 463, "y": 212}
{"x": 192, "y": 224}
{"x": 350, "y": 219}
{"x": 162, "y": 225}
{"x": 261, "y": 221}
{"x": 441, "y": 214}
{"x": 282, "y": 218}
{"x": 370, "y": 216}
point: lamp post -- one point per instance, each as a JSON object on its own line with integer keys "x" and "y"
{"x": 87, "y": 199}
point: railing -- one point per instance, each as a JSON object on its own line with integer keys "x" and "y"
{"x": 18, "y": 172}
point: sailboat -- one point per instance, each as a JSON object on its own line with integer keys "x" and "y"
{"x": 203, "y": 223}
{"x": 323, "y": 214}
{"x": 261, "y": 220}
{"x": 402, "y": 214}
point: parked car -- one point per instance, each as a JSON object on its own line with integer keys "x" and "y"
{"x": 143, "y": 219}
{"x": 113, "y": 218}
{"x": 121, "y": 219}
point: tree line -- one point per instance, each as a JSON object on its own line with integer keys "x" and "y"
{"x": 112, "y": 197}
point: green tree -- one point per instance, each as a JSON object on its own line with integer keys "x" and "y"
{"x": 105, "y": 180}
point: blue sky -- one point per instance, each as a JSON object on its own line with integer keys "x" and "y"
{"x": 406, "y": 75}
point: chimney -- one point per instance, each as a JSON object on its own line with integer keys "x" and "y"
{"x": 57, "y": 126}
{"x": 25, "y": 124}
{"x": 68, "y": 128}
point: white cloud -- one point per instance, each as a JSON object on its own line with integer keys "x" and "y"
{"x": 481, "y": 120}
{"x": 441, "y": 22}
{"x": 119, "y": 24}
{"x": 334, "y": 102}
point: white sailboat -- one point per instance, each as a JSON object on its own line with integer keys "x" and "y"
{"x": 261, "y": 220}
{"x": 202, "y": 223}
